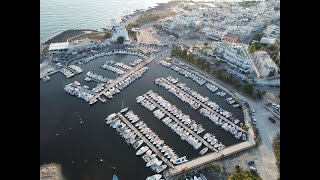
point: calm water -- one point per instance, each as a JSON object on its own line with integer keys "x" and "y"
{"x": 59, "y": 15}
{"x": 93, "y": 139}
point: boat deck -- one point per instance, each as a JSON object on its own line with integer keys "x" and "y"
{"x": 145, "y": 140}
{"x": 204, "y": 142}
{"x": 203, "y": 105}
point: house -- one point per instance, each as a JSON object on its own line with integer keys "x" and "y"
{"x": 230, "y": 38}
{"x": 214, "y": 34}
{"x": 268, "y": 40}
{"x": 265, "y": 64}
{"x": 235, "y": 54}
{"x": 169, "y": 24}
{"x": 272, "y": 31}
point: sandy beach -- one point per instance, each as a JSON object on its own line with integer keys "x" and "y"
{"x": 51, "y": 171}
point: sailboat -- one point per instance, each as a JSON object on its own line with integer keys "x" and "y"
{"x": 123, "y": 109}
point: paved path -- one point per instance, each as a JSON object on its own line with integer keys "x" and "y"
{"x": 145, "y": 140}
{"x": 183, "y": 125}
{"x": 203, "y": 105}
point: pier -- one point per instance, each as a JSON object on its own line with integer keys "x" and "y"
{"x": 124, "y": 76}
{"x": 210, "y": 157}
{"x": 203, "y": 105}
{"x": 84, "y": 89}
{"x": 145, "y": 140}
{"x": 204, "y": 142}
{"x": 73, "y": 71}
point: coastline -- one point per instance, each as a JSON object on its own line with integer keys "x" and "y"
{"x": 51, "y": 170}
{"x": 67, "y": 34}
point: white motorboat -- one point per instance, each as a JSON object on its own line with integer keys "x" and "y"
{"x": 161, "y": 168}
{"x": 151, "y": 162}
{"x": 154, "y": 177}
{"x": 203, "y": 151}
{"x": 142, "y": 150}
{"x": 180, "y": 160}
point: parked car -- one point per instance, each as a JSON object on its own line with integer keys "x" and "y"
{"x": 272, "y": 120}
{"x": 254, "y": 121}
{"x": 250, "y": 163}
{"x": 253, "y": 112}
{"x": 253, "y": 169}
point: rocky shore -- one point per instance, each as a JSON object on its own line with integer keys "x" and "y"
{"x": 51, "y": 172}
{"x": 62, "y": 37}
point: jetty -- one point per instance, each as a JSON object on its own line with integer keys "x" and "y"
{"x": 145, "y": 140}
{"x": 203, "y": 105}
{"x": 122, "y": 77}
{"x": 181, "y": 124}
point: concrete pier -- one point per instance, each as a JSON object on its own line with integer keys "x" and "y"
{"x": 124, "y": 76}
{"x": 203, "y": 105}
{"x": 204, "y": 142}
{"x": 145, "y": 140}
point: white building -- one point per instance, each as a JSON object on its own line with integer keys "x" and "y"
{"x": 74, "y": 46}
{"x": 56, "y": 48}
{"x": 272, "y": 31}
{"x": 118, "y": 30}
{"x": 169, "y": 24}
{"x": 265, "y": 64}
{"x": 268, "y": 40}
{"x": 235, "y": 54}
{"x": 213, "y": 33}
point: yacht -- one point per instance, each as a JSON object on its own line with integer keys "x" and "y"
{"x": 206, "y": 135}
{"x": 203, "y": 151}
{"x": 124, "y": 110}
{"x": 161, "y": 168}
{"x": 154, "y": 177}
{"x": 180, "y": 160}
{"x": 151, "y": 162}
{"x": 142, "y": 150}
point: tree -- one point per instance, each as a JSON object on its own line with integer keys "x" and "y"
{"x": 252, "y": 48}
{"x": 184, "y": 54}
{"x": 263, "y": 92}
{"x": 248, "y": 88}
{"x": 120, "y": 40}
{"x": 262, "y": 48}
{"x": 206, "y": 44}
{"x": 271, "y": 47}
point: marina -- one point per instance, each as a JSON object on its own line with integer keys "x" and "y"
{"x": 183, "y": 125}
{"x": 129, "y": 96}
{"x": 145, "y": 140}
{"x": 205, "y": 110}
{"x": 184, "y": 72}
{"x": 120, "y": 79}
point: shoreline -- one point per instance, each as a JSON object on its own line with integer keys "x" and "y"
{"x": 70, "y": 33}
{"x": 55, "y": 171}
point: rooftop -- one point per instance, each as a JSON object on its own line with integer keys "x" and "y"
{"x": 56, "y": 46}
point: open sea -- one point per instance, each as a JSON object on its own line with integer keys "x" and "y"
{"x": 57, "y": 16}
